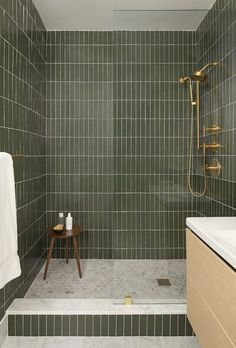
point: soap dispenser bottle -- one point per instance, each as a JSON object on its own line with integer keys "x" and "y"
{"x": 69, "y": 222}
{"x": 61, "y": 219}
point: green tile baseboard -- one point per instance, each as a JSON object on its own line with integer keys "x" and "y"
{"x": 99, "y": 325}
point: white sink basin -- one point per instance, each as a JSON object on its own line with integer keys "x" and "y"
{"x": 219, "y": 233}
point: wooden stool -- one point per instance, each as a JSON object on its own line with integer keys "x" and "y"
{"x": 77, "y": 229}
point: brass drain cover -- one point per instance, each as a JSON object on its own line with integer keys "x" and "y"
{"x": 163, "y": 282}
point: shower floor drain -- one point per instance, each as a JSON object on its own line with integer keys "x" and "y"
{"x": 163, "y": 282}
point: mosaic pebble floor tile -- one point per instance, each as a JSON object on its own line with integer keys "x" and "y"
{"x": 112, "y": 279}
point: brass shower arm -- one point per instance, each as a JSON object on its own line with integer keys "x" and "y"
{"x": 208, "y": 65}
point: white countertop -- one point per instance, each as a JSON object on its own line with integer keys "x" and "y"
{"x": 219, "y": 233}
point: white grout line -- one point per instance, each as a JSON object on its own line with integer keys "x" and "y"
{"x": 30, "y": 179}
{"x": 31, "y": 202}
{"x": 22, "y": 30}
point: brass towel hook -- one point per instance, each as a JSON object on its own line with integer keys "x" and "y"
{"x": 17, "y": 156}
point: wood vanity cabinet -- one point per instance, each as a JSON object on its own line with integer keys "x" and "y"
{"x": 211, "y": 295}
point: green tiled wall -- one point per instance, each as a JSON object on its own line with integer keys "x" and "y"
{"x": 117, "y": 140}
{"x": 22, "y": 131}
{"x": 151, "y": 129}
{"x": 216, "y": 39}
{"x": 99, "y": 325}
{"x": 80, "y": 136}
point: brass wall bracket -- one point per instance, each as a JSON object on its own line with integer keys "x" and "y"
{"x": 183, "y": 80}
{"x": 214, "y": 168}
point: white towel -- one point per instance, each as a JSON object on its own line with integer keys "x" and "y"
{"x": 9, "y": 259}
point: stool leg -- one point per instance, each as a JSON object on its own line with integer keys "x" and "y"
{"x": 49, "y": 257}
{"x": 66, "y": 250}
{"x": 75, "y": 243}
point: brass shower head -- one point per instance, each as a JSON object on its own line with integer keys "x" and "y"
{"x": 200, "y": 75}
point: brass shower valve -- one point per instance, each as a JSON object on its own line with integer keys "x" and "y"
{"x": 212, "y": 147}
{"x": 214, "y": 168}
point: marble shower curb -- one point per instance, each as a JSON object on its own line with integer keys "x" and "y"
{"x": 89, "y": 307}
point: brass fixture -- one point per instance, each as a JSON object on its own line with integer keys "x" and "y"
{"x": 17, "y": 156}
{"x": 128, "y": 300}
{"x": 183, "y": 80}
{"x": 200, "y": 75}
{"x": 213, "y": 147}
{"x": 215, "y": 167}
{"x": 198, "y": 114}
{"x": 213, "y": 129}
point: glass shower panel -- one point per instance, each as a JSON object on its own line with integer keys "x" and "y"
{"x": 151, "y": 118}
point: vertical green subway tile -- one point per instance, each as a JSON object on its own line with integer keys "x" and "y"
{"x": 58, "y": 325}
{"x": 19, "y": 325}
{"x": 73, "y": 325}
{"x": 11, "y": 325}
{"x": 127, "y": 324}
{"x": 65, "y": 325}
{"x": 35, "y": 325}
{"x": 112, "y": 325}
{"x": 135, "y": 325}
{"x": 89, "y": 325}
{"x": 81, "y": 325}
{"x": 50, "y": 325}
{"x": 97, "y": 325}
{"x": 166, "y": 325}
{"x": 182, "y": 325}
{"x": 150, "y": 328}
{"x": 173, "y": 325}
{"x": 143, "y": 325}
{"x": 120, "y": 325}
{"x": 42, "y": 325}
{"x": 158, "y": 325}
{"x": 104, "y": 325}
{"x": 26, "y": 325}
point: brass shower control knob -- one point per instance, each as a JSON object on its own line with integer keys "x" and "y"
{"x": 214, "y": 168}
{"x": 213, "y": 129}
{"x": 213, "y": 147}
